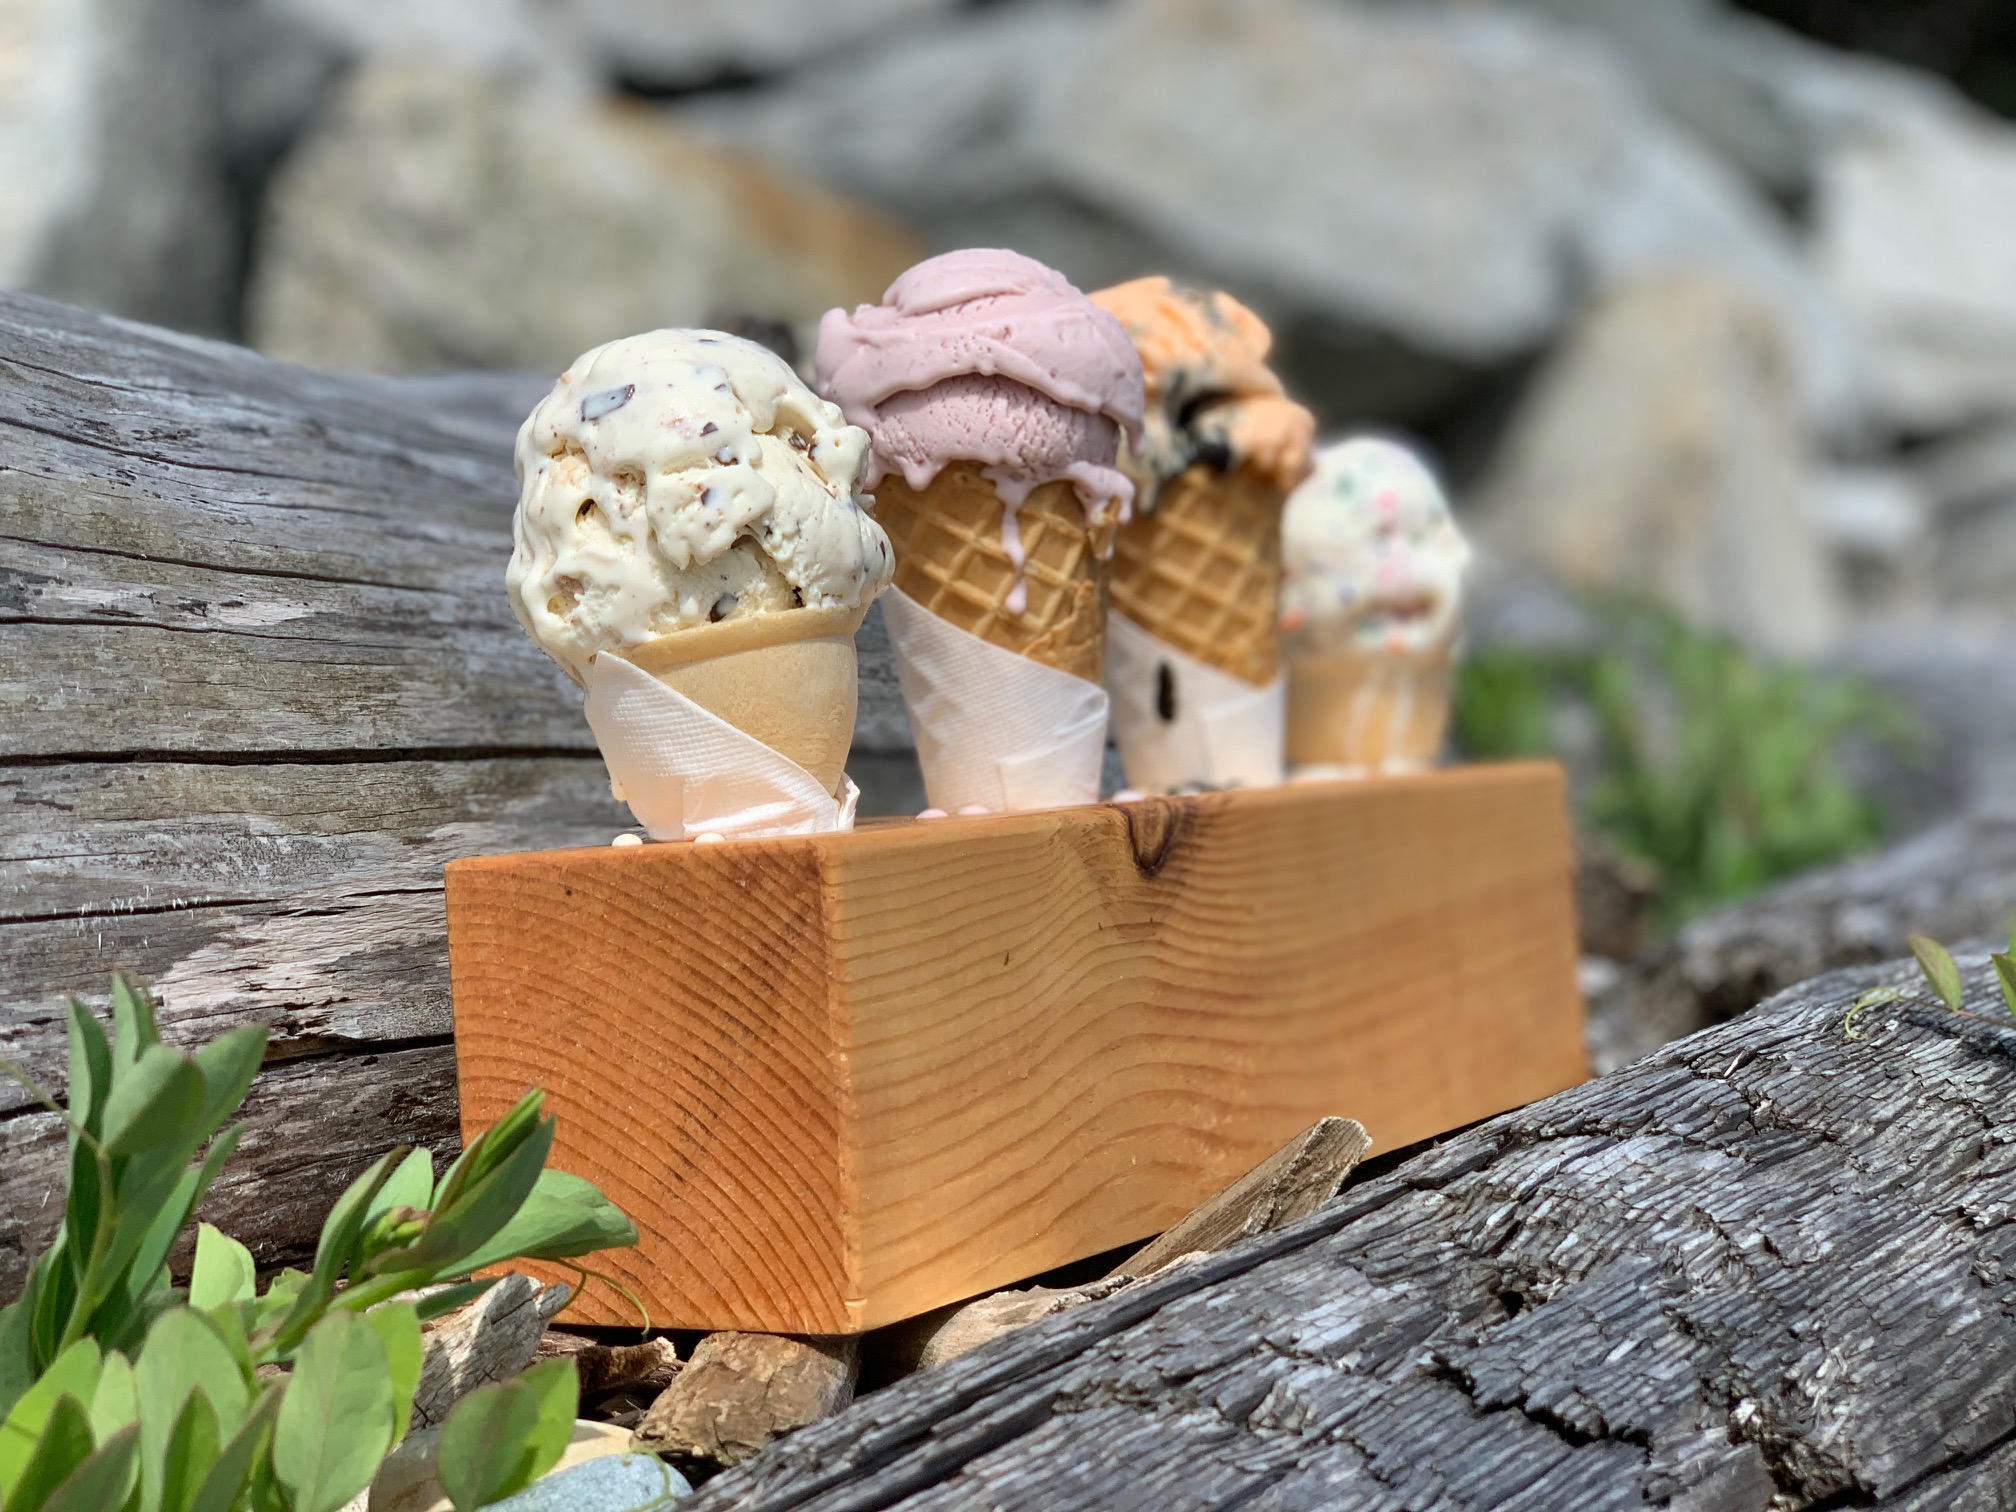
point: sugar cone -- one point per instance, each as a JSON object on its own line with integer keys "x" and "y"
{"x": 950, "y": 558}
{"x": 1377, "y": 710}
{"x": 1201, "y": 571}
{"x": 787, "y": 679}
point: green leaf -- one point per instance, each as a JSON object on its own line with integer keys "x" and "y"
{"x": 556, "y": 1386}
{"x": 336, "y": 1248}
{"x": 411, "y": 1185}
{"x": 105, "y": 1481}
{"x": 133, "y": 1026}
{"x": 223, "y": 1271}
{"x": 141, "y": 1244}
{"x": 2005, "y": 978}
{"x": 241, "y": 1455}
{"x": 115, "y": 1405}
{"x": 90, "y": 1068}
{"x": 564, "y": 1217}
{"x": 192, "y": 1451}
{"x": 438, "y": 1304}
{"x": 502, "y": 1437}
{"x": 397, "y": 1325}
{"x": 282, "y": 1292}
{"x": 63, "y": 1445}
{"x": 74, "y": 1374}
{"x": 476, "y": 1211}
{"x": 154, "y": 1102}
{"x": 228, "y": 1064}
{"x": 184, "y": 1354}
{"x": 17, "y": 1343}
{"x": 335, "y": 1422}
{"x": 1940, "y": 972}
{"x": 491, "y": 1148}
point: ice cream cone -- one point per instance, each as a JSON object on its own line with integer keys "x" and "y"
{"x": 953, "y": 557}
{"x": 1370, "y": 710}
{"x": 1202, "y": 571}
{"x": 787, "y": 679}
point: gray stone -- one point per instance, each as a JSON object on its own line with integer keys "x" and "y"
{"x": 1411, "y": 194}
{"x": 1970, "y": 485}
{"x": 1661, "y": 451}
{"x": 444, "y": 219}
{"x": 618, "y": 1483}
{"x": 697, "y": 41}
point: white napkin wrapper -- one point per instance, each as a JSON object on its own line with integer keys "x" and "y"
{"x": 685, "y": 772}
{"x": 994, "y": 730}
{"x": 1225, "y": 733}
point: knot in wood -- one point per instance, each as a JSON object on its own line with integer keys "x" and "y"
{"x": 1154, "y": 826}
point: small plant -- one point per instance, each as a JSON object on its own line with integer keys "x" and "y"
{"x": 1942, "y": 975}
{"x": 120, "y": 1392}
{"x": 1721, "y": 770}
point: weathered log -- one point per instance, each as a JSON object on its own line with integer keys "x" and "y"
{"x": 741, "y": 1390}
{"x": 1766, "y": 1266}
{"x": 258, "y": 681}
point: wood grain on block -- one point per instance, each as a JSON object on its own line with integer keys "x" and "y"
{"x": 741, "y": 1390}
{"x": 1291, "y": 1183}
{"x": 841, "y": 1080}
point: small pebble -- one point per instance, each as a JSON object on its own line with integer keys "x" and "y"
{"x": 708, "y": 837}
{"x": 934, "y": 813}
{"x": 628, "y": 840}
{"x": 975, "y": 808}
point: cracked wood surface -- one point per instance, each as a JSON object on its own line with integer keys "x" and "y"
{"x": 258, "y": 681}
{"x": 1767, "y": 1267}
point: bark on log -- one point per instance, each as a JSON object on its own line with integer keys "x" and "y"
{"x": 1768, "y": 1266}
{"x": 258, "y": 681}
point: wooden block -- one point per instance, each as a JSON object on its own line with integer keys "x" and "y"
{"x": 842, "y": 1080}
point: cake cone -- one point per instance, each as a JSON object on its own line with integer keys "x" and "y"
{"x": 1374, "y": 710}
{"x": 787, "y": 679}
{"x": 952, "y": 557}
{"x": 1201, "y": 571}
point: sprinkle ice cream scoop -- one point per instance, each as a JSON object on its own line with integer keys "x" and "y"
{"x": 683, "y": 478}
{"x": 1372, "y": 557}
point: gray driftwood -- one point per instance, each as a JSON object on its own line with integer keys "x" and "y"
{"x": 1767, "y": 1267}
{"x": 492, "y": 1339}
{"x": 258, "y": 681}
{"x": 741, "y": 1390}
{"x": 1289, "y": 1184}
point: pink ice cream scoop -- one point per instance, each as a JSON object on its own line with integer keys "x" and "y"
{"x": 987, "y": 356}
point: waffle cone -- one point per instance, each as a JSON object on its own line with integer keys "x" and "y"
{"x": 1377, "y": 710}
{"x": 787, "y": 679}
{"x": 1202, "y": 570}
{"x": 950, "y": 559}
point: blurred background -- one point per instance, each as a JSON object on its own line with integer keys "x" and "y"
{"x": 1707, "y": 312}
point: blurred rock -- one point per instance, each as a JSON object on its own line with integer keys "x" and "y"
{"x": 1916, "y": 231}
{"x": 114, "y": 191}
{"x": 1410, "y": 193}
{"x": 1970, "y": 482}
{"x": 651, "y": 43}
{"x": 1878, "y": 523}
{"x": 440, "y": 219}
{"x": 1661, "y": 451}
{"x": 1615, "y": 895}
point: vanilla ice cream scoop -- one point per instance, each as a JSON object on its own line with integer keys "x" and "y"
{"x": 679, "y": 479}
{"x": 1372, "y": 560}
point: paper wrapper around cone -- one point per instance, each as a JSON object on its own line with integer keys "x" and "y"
{"x": 1201, "y": 571}
{"x": 1378, "y": 710}
{"x": 787, "y": 679}
{"x": 951, "y": 560}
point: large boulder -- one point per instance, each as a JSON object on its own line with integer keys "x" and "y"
{"x": 440, "y": 218}
{"x": 1414, "y": 194}
{"x": 1661, "y": 451}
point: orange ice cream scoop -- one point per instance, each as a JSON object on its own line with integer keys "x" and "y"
{"x": 1211, "y": 396}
